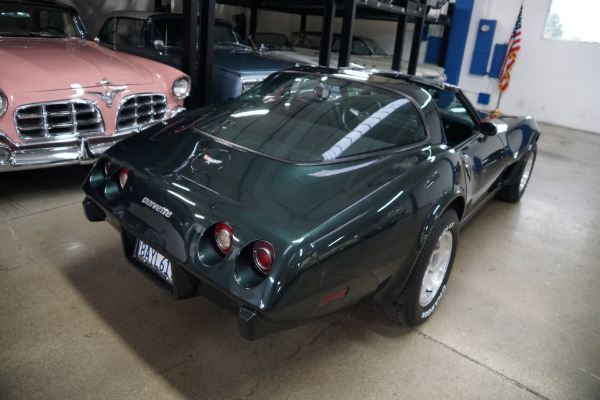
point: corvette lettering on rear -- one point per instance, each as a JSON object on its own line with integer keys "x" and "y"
{"x": 157, "y": 207}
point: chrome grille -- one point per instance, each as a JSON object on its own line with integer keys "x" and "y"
{"x": 57, "y": 119}
{"x": 141, "y": 109}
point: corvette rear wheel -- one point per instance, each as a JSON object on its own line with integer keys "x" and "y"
{"x": 427, "y": 282}
{"x": 513, "y": 191}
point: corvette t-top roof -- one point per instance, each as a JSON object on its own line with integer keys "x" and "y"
{"x": 307, "y": 116}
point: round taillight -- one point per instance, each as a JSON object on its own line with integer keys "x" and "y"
{"x": 123, "y": 175}
{"x": 107, "y": 163}
{"x": 263, "y": 254}
{"x": 224, "y": 237}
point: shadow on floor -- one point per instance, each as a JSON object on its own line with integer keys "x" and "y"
{"x": 195, "y": 344}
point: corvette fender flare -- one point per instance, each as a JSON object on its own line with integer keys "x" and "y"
{"x": 455, "y": 200}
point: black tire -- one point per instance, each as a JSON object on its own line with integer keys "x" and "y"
{"x": 513, "y": 190}
{"x": 427, "y": 281}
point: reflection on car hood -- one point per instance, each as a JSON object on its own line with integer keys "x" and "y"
{"x": 247, "y": 61}
{"x": 51, "y": 64}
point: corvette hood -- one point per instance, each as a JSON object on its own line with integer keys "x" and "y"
{"x": 303, "y": 196}
{"x": 53, "y": 64}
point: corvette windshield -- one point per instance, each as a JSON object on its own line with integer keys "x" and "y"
{"x": 30, "y": 20}
{"x": 302, "y": 117}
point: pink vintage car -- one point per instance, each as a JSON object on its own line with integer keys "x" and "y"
{"x": 65, "y": 99}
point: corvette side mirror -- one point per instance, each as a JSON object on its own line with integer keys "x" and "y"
{"x": 488, "y": 129}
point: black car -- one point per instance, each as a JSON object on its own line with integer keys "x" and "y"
{"x": 316, "y": 190}
{"x": 159, "y": 37}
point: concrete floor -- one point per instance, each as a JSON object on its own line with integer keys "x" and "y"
{"x": 520, "y": 318}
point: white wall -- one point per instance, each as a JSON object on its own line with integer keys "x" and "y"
{"x": 555, "y": 81}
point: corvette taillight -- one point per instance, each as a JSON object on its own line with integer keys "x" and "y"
{"x": 223, "y": 237}
{"x": 107, "y": 163}
{"x": 123, "y": 175}
{"x": 263, "y": 254}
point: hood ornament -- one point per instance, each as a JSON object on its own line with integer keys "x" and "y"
{"x": 211, "y": 159}
{"x": 104, "y": 81}
{"x": 108, "y": 97}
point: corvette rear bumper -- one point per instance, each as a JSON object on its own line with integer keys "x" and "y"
{"x": 252, "y": 325}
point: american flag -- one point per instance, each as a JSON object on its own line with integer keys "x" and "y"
{"x": 514, "y": 45}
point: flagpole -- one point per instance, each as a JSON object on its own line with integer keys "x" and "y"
{"x": 514, "y": 45}
{"x": 497, "y": 110}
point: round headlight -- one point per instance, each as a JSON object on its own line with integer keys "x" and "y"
{"x": 181, "y": 87}
{"x": 3, "y": 102}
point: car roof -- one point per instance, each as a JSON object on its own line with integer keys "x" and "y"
{"x": 41, "y": 2}
{"x": 319, "y": 34}
{"x": 398, "y": 82}
{"x": 135, "y": 14}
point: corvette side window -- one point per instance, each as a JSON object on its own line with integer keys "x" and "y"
{"x": 458, "y": 124}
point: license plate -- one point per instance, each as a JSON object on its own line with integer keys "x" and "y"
{"x": 154, "y": 260}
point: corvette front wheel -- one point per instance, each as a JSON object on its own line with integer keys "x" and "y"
{"x": 427, "y": 281}
{"x": 513, "y": 191}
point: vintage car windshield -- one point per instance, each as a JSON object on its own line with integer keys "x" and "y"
{"x": 130, "y": 32}
{"x": 309, "y": 118}
{"x": 34, "y": 20}
{"x": 367, "y": 46}
{"x": 224, "y": 35}
{"x": 169, "y": 30}
{"x": 272, "y": 42}
{"x": 360, "y": 46}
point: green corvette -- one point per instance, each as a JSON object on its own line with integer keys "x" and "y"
{"x": 316, "y": 190}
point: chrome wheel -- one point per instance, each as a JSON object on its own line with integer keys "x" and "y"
{"x": 436, "y": 269}
{"x": 526, "y": 173}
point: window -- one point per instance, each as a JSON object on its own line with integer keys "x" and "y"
{"x": 225, "y": 35}
{"x": 128, "y": 32}
{"x": 17, "y": 19}
{"x": 573, "y": 20}
{"x": 168, "y": 30}
{"x": 458, "y": 124}
{"x": 312, "y": 118}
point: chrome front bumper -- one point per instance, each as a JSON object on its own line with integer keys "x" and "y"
{"x": 51, "y": 155}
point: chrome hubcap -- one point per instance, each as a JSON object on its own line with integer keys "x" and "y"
{"x": 436, "y": 269}
{"x": 526, "y": 173}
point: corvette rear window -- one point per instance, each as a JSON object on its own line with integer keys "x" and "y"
{"x": 303, "y": 117}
